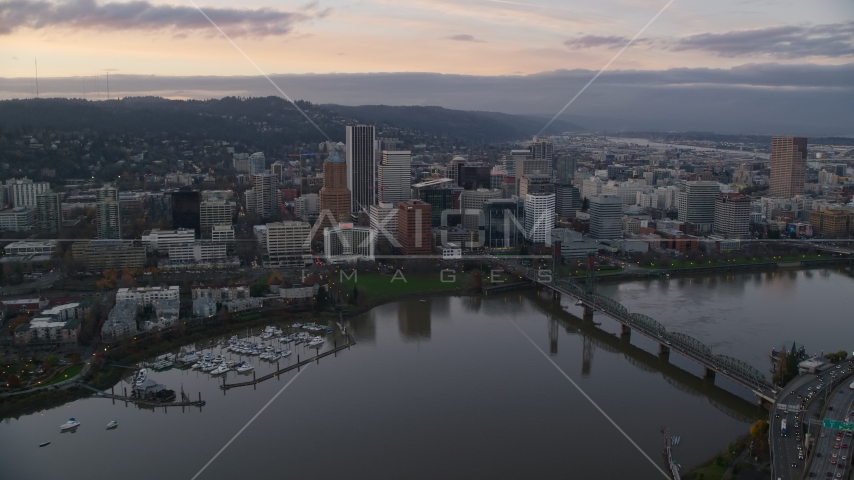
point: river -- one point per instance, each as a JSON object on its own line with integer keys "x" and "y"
{"x": 453, "y": 388}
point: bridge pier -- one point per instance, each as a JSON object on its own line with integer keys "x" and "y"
{"x": 555, "y": 295}
{"x": 708, "y": 374}
{"x": 625, "y": 331}
{"x": 663, "y": 351}
{"x": 588, "y": 313}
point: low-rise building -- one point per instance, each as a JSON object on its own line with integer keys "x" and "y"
{"x": 18, "y": 219}
{"x": 204, "y": 307}
{"x": 221, "y": 294}
{"x": 450, "y": 251}
{"x": 198, "y": 251}
{"x": 108, "y": 254}
{"x": 832, "y": 223}
{"x": 157, "y": 240}
{"x": 47, "y": 330}
{"x": 121, "y": 322}
{"x": 243, "y": 304}
{"x": 24, "y": 305}
{"x": 31, "y": 247}
{"x": 346, "y": 241}
{"x": 147, "y": 296}
{"x": 298, "y": 292}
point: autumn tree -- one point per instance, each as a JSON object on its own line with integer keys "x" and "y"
{"x": 13, "y": 381}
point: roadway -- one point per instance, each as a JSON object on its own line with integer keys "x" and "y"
{"x": 792, "y": 405}
{"x": 832, "y": 458}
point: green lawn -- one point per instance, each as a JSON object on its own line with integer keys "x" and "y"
{"x": 375, "y": 285}
{"x": 69, "y": 372}
{"x": 737, "y": 261}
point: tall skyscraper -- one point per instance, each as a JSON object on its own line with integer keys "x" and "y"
{"x": 453, "y": 171}
{"x": 565, "y": 169}
{"x": 567, "y": 200}
{"x": 471, "y": 207}
{"x": 334, "y": 196}
{"x": 542, "y": 149}
{"x": 288, "y": 244}
{"x": 732, "y": 215}
{"x": 539, "y": 216}
{"x": 413, "y": 228}
{"x": 394, "y": 179}
{"x": 263, "y": 198}
{"x": 257, "y": 163}
{"x": 697, "y": 204}
{"x": 186, "y": 213}
{"x": 361, "y": 167}
{"x": 48, "y": 212}
{"x": 788, "y": 166}
{"x": 107, "y": 192}
{"x": 109, "y": 220}
{"x": 606, "y": 215}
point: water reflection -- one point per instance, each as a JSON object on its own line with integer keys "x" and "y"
{"x": 413, "y": 320}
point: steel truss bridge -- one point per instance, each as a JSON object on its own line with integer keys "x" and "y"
{"x": 732, "y": 368}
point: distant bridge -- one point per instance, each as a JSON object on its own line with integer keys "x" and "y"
{"x": 739, "y": 372}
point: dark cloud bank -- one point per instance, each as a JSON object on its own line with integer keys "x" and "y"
{"x": 766, "y": 98}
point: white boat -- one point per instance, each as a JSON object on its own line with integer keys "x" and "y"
{"x": 220, "y": 370}
{"x": 245, "y": 368}
{"x": 315, "y": 342}
{"x": 71, "y": 423}
{"x": 197, "y": 365}
{"x": 140, "y": 376}
{"x": 209, "y": 367}
{"x": 285, "y": 353}
{"x": 112, "y": 424}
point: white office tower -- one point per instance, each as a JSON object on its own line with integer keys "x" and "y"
{"x": 214, "y": 213}
{"x": 394, "y": 179}
{"x": 48, "y": 212}
{"x": 288, "y": 244}
{"x": 606, "y": 214}
{"x": 22, "y": 192}
{"x": 539, "y": 216}
{"x": 361, "y": 167}
{"x": 384, "y": 222}
{"x": 697, "y": 204}
{"x": 591, "y": 187}
{"x": 347, "y": 243}
{"x": 257, "y": 163}
{"x": 263, "y": 198}
{"x": 109, "y": 220}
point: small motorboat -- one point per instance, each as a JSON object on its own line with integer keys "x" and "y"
{"x": 245, "y": 368}
{"x": 44, "y": 444}
{"x": 140, "y": 376}
{"x": 70, "y": 424}
{"x": 113, "y": 424}
{"x": 315, "y": 342}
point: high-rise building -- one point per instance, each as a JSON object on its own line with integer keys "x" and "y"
{"x": 539, "y": 216}
{"x": 214, "y": 213}
{"x": 307, "y": 206}
{"x": 361, "y": 167}
{"x": 257, "y": 163}
{"x": 186, "y": 205}
{"x": 505, "y": 220}
{"x": 109, "y": 219}
{"x": 473, "y": 176}
{"x": 542, "y": 149}
{"x": 23, "y": 191}
{"x": 107, "y": 192}
{"x": 732, "y": 215}
{"x": 278, "y": 169}
{"x": 788, "y": 166}
{"x": 288, "y": 244}
{"x": 414, "y": 232}
{"x": 697, "y": 204}
{"x": 606, "y": 215}
{"x": 539, "y": 166}
{"x": 263, "y": 198}
{"x": 334, "y": 196}
{"x": 439, "y": 193}
{"x": 346, "y": 241}
{"x": 394, "y": 179}
{"x": 535, "y": 183}
{"x": 384, "y": 222}
{"x": 565, "y": 170}
{"x": 567, "y": 200}
{"x": 453, "y": 171}
{"x": 471, "y": 207}
{"x": 48, "y": 212}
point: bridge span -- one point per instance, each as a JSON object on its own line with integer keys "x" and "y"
{"x": 732, "y": 368}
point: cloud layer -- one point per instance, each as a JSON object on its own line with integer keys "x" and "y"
{"x": 143, "y": 15}
{"x": 785, "y": 41}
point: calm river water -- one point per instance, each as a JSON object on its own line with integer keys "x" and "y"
{"x": 451, "y": 388}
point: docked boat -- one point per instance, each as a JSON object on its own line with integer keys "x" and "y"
{"x": 70, "y": 424}
{"x": 315, "y": 342}
{"x": 245, "y": 368}
{"x": 113, "y": 424}
{"x": 220, "y": 370}
{"x": 141, "y": 375}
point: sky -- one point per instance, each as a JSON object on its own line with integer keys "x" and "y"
{"x": 78, "y": 40}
